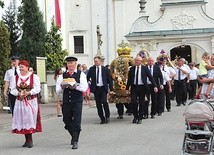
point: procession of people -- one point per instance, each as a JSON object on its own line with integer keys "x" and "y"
{"x": 143, "y": 84}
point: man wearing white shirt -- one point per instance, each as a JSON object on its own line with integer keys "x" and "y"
{"x": 180, "y": 82}
{"x": 194, "y": 72}
{"x": 72, "y": 98}
{"x": 10, "y": 73}
{"x": 168, "y": 74}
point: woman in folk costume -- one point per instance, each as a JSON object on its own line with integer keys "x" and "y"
{"x": 26, "y": 118}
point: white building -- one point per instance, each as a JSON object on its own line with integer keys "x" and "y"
{"x": 180, "y": 27}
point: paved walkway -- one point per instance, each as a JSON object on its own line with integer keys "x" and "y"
{"x": 47, "y": 110}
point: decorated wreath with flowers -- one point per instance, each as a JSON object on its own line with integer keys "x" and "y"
{"x": 119, "y": 71}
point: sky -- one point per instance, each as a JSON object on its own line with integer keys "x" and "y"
{"x": 41, "y": 3}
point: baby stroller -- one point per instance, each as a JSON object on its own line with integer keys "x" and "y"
{"x": 198, "y": 138}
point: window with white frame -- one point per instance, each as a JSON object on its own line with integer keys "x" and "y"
{"x": 78, "y": 45}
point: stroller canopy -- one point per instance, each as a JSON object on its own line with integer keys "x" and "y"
{"x": 198, "y": 111}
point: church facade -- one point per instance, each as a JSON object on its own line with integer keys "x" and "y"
{"x": 179, "y": 27}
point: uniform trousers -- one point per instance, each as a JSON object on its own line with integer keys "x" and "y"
{"x": 11, "y": 102}
{"x": 160, "y": 101}
{"x": 192, "y": 90}
{"x": 138, "y": 93}
{"x": 151, "y": 94}
{"x": 72, "y": 115}
{"x": 180, "y": 91}
{"x": 167, "y": 97}
{"x": 120, "y": 108}
{"x": 100, "y": 95}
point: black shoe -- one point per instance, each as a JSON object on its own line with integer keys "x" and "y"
{"x": 120, "y": 117}
{"x": 129, "y": 114}
{"x": 24, "y": 145}
{"x": 178, "y": 105}
{"x": 107, "y": 120}
{"x": 139, "y": 121}
{"x": 169, "y": 110}
{"x": 159, "y": 114}
{"x": 183, "y": 103}
{"x": 134, "y": 120}
{"x": 152, "y": 116}
{"x": 30, "y": 144}
{"x": 145, "y": 117}
{"x": 102, "y": 122}
{"x": 75, "y": 145}
{"x": 59, "y": 115}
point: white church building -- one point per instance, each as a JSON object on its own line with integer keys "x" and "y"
{"x": 179, "y": 27}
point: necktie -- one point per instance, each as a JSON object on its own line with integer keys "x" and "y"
{"x": 163, "y": 68}
{"x": 15, "y": 73}
{"x": 137, "y": 75}
{"x": 98, "y": 71}
{"x": 150, "y": 69}
{"x": 179, "y": 74}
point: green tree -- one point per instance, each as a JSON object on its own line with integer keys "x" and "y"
{"x": 53, "y": 48}
{"x": 10, "y": 20}
{"x": 32, "y": 43}
{"x": 4, "y": 51}
{"x": 1, "y": 4}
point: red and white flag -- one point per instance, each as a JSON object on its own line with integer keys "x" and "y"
{"x": 57, "y": 14}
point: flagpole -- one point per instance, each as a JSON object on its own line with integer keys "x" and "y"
{"x": 46, "y": 14}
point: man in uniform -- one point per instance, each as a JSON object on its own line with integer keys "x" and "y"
{"x": 180, "y": 82}
{"x": 7, "y": 79}
{"x": 72, "y": 83}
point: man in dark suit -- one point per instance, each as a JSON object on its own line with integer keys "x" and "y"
{"x": 137, "y": 80}
{"x": 158, "y": 77}
{"x": 100, "y": 83}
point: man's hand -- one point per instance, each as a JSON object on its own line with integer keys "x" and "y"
{"x": 127, "y": 92}
{"x": 161, "y": 87}
{"x": 155, "y": 89}
{"x": 5, "y": 96}
{"x": 111, "y": 92}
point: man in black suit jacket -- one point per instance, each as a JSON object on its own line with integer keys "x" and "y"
{"x": 100, "y": 83}
{"x": 137, "y": 80}
{"x": 158, "y": 77}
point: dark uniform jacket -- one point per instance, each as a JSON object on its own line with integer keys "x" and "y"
{"x": 72, "y": 95}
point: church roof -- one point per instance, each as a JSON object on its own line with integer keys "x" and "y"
{"x": 171, "y": 32}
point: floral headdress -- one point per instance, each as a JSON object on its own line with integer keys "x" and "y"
{"x": 124, "y": 49}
